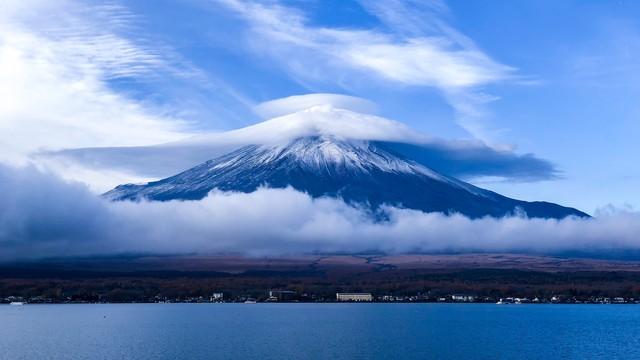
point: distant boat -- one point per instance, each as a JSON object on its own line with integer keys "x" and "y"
{"x": 250, "y": 301}
{"x": 502, "y": 302}
{"x": 16, "y": 303}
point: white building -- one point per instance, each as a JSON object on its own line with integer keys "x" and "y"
{"x": 463, "y": 298}
{"x": 354, "y": 297}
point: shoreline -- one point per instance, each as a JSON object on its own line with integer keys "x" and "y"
{"x": 326, "y": 303}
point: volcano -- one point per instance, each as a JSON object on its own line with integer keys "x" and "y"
{"x": 364, "y": 173}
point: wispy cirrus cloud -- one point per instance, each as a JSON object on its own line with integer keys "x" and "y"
{"x": 56, "y": 61}
{"x": 416, "y": 48}
{"x": 77, "y": 74}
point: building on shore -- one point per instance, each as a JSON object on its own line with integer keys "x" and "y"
{"x": 354, "y": 297}
{"x": 463, "y": 298}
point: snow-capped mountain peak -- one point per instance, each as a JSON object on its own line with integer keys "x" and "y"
{"x": 359, "y": 172}
{"x": 320, "y": 153}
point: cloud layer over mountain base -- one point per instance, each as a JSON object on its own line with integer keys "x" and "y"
{"x": 43, "y": 216}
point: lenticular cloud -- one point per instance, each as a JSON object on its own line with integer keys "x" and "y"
{"x": 43, "y": 216}
{"x": 463, "y": 159}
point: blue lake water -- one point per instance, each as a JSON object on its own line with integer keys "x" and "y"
{"x": 319, "y": 331}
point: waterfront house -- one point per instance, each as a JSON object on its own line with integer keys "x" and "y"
{"x": 354, "y": 297}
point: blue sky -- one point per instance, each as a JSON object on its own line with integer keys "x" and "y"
{"x": 558, "y": 79}
{"x": 504, "y": 94}
{"x": 574, "y": 104}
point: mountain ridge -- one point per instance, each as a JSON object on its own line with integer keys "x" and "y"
{"x": 362, "y": 173}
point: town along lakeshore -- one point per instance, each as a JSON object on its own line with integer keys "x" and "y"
{"x": 470, "y": 278}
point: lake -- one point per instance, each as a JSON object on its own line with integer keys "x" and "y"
{"x": 319, "y": 331}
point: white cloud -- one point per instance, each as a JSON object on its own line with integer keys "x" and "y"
{"x": 42, "y": 216}
{"x": 147, "y": 162}
{"x": 55, "y": 63}
{"x": 419, "y": 50}
{"x": 413, "y": 17}
{"x": 292, "y": 104}
{"x": 466, "y": 159}
{"x": 427, "y": 60}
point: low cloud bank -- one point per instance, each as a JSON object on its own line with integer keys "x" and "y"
{"x": 43, "y": 216}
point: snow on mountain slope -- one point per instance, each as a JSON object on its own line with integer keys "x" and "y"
{"x": 360, "y": 172}
{"x": 165, "y": 159}
{"x": 466, "y": 158}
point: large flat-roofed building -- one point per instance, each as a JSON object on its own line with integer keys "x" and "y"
{"x": 354, "y": 297}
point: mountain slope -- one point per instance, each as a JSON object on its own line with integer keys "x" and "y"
{"x": 463, "y": 158}
{"x": 360, "y": 172}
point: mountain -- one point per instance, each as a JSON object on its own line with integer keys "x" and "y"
{"x": 364, "y": 173}
{"x": 458, "y": 158}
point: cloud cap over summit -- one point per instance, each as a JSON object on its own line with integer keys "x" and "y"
{"x": 460, "y": 158}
